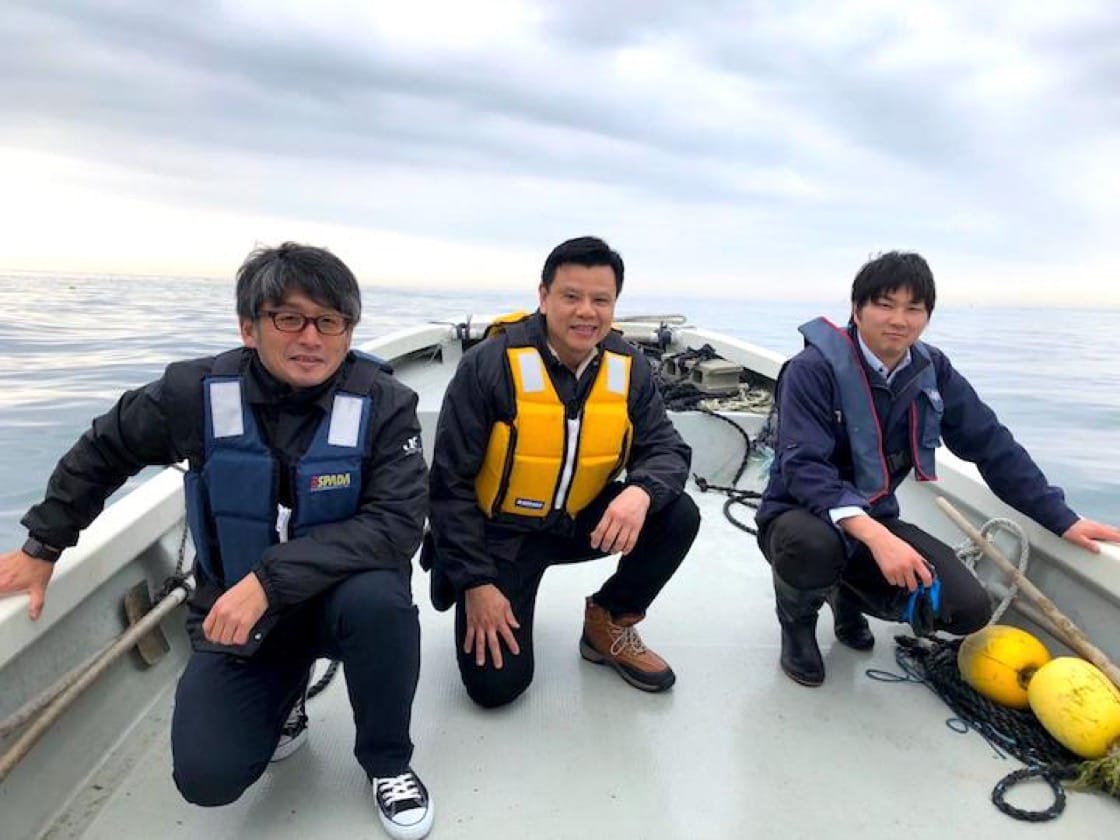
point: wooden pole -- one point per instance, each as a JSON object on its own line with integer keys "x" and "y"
{"x": 1075, "y": 637}
{"x": 53, "y": 711}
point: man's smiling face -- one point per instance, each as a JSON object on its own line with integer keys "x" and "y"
{"x": 579, "y": 309}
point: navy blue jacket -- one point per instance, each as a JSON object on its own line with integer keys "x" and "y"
{"x": 813, "y": 469}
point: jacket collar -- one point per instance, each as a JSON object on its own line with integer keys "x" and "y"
{"x": 905, "y": 374}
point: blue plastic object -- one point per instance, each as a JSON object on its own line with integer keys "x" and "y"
{"x": 923, "y": 607}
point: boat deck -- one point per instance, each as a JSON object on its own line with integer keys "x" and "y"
{"x": 735, "y": 749}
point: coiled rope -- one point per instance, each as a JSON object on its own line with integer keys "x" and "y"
{"x": 970, "y": 553}
{"x": 1016, "y": 732}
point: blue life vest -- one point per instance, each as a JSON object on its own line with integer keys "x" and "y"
{"x": 865, "y": 435}
{"x": 232, "y": 500}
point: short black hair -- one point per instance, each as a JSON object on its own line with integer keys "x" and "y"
{"x": 268, "y": 274}
{"x": 890, "y": 272}
{"x": 588, "y": 251}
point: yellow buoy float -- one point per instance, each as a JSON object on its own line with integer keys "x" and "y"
{"x": 1078, "y": 705}
{"x": 999, "y": 661}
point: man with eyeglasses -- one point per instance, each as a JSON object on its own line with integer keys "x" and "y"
{"x": 306, "y": 498}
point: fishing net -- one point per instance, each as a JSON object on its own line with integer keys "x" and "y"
{"x": 1015, "y": 732}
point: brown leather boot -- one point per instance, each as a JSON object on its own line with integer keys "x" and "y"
{"x": 615, "y": 642}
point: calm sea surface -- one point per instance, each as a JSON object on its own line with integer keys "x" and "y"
{"x": 71, "y": 344}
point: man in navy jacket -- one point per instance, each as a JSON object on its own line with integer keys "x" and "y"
{"x": 858, "y": 409}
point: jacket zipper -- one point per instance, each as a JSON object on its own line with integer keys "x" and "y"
{"x": 571, "y": 444}
{"x": 507, "y": 468}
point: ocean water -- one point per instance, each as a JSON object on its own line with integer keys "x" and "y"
{"x": 71, "y": 344}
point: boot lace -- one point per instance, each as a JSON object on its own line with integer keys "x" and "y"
{"x": 626, "y": 639}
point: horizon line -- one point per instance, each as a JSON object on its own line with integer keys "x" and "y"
{"x": 435, "y": 287}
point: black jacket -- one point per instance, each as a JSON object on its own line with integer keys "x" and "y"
{"x": 465, "y": 543}
{"x": 162, "y": 423}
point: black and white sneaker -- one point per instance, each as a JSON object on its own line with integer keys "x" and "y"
{"x": 294, "y": 734}
{"x": 403, "y": 805}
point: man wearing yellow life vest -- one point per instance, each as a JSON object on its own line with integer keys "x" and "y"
{"x": 537, "y": 425}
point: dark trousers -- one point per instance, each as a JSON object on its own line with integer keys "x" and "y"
{"x": 808, "y": 553}
{"x": 665, "y": 539}
{"x": 229, "y": 711}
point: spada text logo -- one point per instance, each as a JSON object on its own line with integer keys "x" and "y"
{"x": 330, "y": 481}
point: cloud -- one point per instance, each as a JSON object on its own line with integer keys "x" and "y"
{"x": 761, "y": 149}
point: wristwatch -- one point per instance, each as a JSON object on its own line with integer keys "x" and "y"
{"x": 40, "y": 550}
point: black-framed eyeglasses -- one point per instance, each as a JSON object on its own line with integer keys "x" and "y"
{"x": 294, "y": 322}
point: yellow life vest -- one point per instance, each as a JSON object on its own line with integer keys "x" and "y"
{"x": 501, "y": 322}
{"x": 543, "y": 460}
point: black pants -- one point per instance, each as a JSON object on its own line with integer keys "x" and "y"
{"x": 229, "y": 711}
{"x": 665, "y": 539}
{"x": 809, "y": 553}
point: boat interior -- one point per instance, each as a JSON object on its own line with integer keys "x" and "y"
{"x": 735, "y": 749}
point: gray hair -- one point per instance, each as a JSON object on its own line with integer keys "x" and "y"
{"x": 269, "y": 274}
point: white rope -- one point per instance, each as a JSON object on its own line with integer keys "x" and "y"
{"x": 754, "y": 400}
{"x": 969, "y": 553}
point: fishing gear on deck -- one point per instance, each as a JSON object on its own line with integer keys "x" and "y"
{"x": 700, "y": 380}
{"x": 1016, "y": 732}
{"x": 1019, "y": 732}
{"x": 1053, "y": 619}
{"x": 321, "y": 684}
{"x": 735, "y": 496}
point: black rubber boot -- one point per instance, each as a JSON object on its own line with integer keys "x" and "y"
{"x": 797, "y": 613}
{"x": 848, "y": 620}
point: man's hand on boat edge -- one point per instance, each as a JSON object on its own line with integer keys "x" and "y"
{"x": 1086, "y": 532}
{"x": 21, "y": 573}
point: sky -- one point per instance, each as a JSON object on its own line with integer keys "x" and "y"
{"x": 726, "y": 149}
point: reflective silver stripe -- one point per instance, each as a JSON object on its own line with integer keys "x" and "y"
{"x": 570, "y": 447}
{"x": 283, "y": 519}
{"x": 532, "y": 370}
{"x": 346, "y": 421}
{"x": 225, "y": 409}
{"x": 616, "y": 374}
